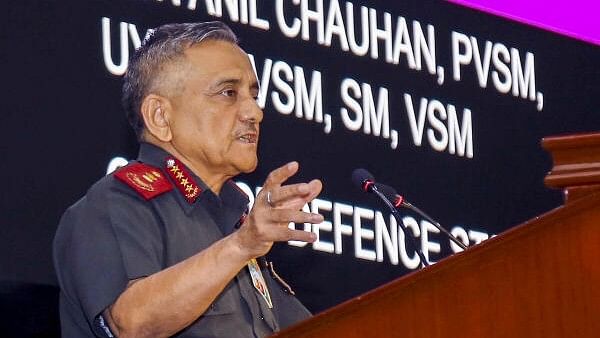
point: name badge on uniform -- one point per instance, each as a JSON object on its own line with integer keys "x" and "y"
{"x": 259, "y": 282}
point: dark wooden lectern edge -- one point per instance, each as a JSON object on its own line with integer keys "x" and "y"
{"x": 576, "y": 162}
{"x": 571, "y": 141}
{"x": 348, "y": 308}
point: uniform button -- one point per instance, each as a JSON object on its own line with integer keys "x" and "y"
{"x": 262, "y": 318}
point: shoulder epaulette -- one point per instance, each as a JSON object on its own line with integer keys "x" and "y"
{"x": 145, "y": 179}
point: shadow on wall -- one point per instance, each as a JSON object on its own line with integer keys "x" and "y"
{"x": 28, "y": 310}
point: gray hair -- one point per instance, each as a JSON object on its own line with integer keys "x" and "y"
{"x": 163, "y": 45}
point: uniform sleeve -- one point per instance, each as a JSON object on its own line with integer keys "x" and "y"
{"x": 103, "y": 242}
{"x": 139, "y": 234}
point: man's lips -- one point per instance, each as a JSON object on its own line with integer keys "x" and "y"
{"x": 248, "y": 137}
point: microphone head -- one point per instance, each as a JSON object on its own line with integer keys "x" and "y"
{"x": 362, "y": 179}
{"x": 386, "y": 190}
{"x": 391, "y": 194}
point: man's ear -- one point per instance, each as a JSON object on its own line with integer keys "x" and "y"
{"x": 155, "y": 111}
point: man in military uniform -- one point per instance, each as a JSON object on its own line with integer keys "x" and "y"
{"x": 165, "y": 245}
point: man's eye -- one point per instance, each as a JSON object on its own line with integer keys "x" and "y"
{"x": 228, "y": 92}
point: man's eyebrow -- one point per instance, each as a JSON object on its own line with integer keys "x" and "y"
{"x": 234, "y": 81}
{"x": 226, "y": 81}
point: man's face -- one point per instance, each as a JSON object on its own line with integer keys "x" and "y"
{"x": 215, "y": 120}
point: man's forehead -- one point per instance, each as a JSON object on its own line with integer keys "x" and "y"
{"x": 221, "y": 60}
{"x": 214, "y": 52}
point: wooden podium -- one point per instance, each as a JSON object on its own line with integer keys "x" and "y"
{"x": 539, "y": 279}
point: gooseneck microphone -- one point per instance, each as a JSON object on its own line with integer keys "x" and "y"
{"x": 399, "y": 201}
{"x": 365, "y": 181}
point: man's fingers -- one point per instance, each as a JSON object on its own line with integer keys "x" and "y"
{"x": 281, "y": 174}
{"x": 285, "y": 216}
{"x": 293, "y": 195}
{"x": 283, "y": 234}
{"x": 299, "y": 235}
{"x": 315, "y": 189}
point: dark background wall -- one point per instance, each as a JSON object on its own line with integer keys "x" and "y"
{"x": 62, "y": 124}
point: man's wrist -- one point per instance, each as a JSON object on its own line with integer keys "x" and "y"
{"x": 237, "y": 248}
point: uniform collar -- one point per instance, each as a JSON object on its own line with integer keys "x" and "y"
{"x": 186, "y": 180}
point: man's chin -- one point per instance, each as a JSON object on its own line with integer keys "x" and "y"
{"x": 248, "y": 166}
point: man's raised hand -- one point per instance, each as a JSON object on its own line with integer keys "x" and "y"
{"x": 274, "y": 208}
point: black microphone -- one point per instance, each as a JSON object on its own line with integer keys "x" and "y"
{"x": 391, "y": 194}
{"x": 365, "y": 182}
{"x": 363, "y": 179}
{"x": 368, "y": 184}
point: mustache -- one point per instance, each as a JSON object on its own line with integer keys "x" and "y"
{"x": 248, "y": 129}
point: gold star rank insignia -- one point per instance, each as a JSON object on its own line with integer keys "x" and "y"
{"x": 183, "y": 180}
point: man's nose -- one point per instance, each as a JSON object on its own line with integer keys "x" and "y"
{"x": 251, "y": 111}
